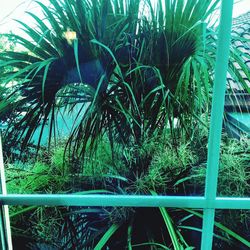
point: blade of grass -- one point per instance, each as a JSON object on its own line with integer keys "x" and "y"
{"x": 169, "y": 225}
{"x": 106, "y": 236}
{"x": 24, "y": 210}
{"x": 222, "y": 227}
{"x": 151, "y": 244}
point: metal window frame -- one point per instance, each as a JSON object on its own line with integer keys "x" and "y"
{"x": 209, "y": 202}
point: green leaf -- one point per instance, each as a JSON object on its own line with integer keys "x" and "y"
{"x": 169, "y": 225}
{"x": 108, "y": 234}
{"x": 22, "y": 211}
{"x": 223, "y": 228}
{"x": 151, "y": 244}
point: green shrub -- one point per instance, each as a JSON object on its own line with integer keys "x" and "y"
{"x": 234, "y": 171}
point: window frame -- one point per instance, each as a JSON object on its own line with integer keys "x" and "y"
{"x": 209, "y": 202}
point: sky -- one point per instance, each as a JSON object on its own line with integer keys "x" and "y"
{"x": 15, "y": 9}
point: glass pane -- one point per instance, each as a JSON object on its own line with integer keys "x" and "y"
{"x": 84, "y": 228}
{"x": 86, "y": 109}
{"x": 170, "y": 170}
{"x": 232, "y": 229}
{"x": 234, "y": 173}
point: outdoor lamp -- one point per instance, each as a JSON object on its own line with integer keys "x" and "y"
{"x": 70, "y": 36}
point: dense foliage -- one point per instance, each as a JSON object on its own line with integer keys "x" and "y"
{"x": 136, "y": 78}
{"x": 133, "y": 73}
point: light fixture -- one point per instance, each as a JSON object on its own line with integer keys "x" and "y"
{"x": 70, "y": 36}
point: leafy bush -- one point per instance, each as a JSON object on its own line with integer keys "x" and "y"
{"x": 171, "y": 171}
{"x": 234, "y": 175}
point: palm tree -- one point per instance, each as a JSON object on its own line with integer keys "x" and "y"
{"x": 132, "y": 73}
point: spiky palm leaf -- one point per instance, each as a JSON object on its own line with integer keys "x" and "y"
{"x": 51, "y": 63}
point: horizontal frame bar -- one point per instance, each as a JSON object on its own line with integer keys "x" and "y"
{"x": 124, "y": 201}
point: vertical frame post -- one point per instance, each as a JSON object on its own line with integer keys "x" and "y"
{"x": 218, "y": 100}
{"x": 6, "y": 242}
